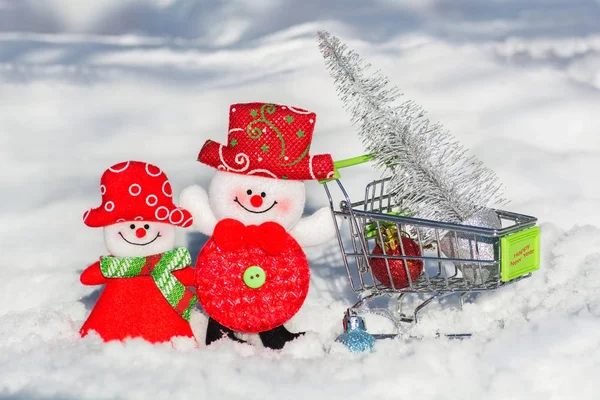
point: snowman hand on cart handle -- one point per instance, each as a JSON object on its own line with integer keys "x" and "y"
{"x": 315, "y": 229}
{"x": 195, "y": 199}
{"x": 320, "y": 227}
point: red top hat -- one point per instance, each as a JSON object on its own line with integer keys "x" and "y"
{"x": 269, "y": 140}
{"x": 136, "y": 191}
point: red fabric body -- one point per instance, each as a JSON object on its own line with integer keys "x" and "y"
{"x": 219, "y": 276}
{"x": 134, "y": 307}
{"x": 269, "y": 140}
{"x": 136, "y": 191}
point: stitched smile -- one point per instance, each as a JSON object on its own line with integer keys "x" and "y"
{"x": 140, "y": 244}
{"x": 254, "y": 212}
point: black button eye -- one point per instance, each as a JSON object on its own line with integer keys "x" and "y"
{"x": 132, "y": 226}
{"x": 146, "y": 226}
{"x": 263, "y": 194}
{"x": 249, "y": 192}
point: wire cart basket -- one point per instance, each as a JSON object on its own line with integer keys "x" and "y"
{"x": 428, "y": 260}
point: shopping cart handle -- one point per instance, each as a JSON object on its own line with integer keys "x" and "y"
{"x": 348, "y": 162}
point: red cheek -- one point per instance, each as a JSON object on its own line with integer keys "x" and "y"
{"x": 240, "y": 194}
{"x": 284, "y": 205}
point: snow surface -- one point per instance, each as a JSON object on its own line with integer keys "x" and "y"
{"x": 84, "y": 85}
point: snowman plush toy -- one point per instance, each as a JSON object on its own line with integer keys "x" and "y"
{"x": 146, "y": 278}
{"x": 252, "y": 275}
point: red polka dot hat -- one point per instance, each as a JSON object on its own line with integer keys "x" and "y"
{"x": 136, "y": 191}
{"x": 269, "y": 140}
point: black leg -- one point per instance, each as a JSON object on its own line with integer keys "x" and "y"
{"x": 277, "y": 338}
{"x": 216, "y": 331}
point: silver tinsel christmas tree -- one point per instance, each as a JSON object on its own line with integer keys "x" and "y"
{"x": 432, "y": 175}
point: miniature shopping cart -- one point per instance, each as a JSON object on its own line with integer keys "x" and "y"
{"x": 457, "y": 260}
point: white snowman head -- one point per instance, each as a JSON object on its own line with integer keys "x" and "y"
{"x": 262, "y": 168}
{"x": 253, "y": 200}
{"x": 139, "y": 238}
{"x": 137, "y": 211}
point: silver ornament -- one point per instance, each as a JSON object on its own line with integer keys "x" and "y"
{"x": 474, "y": 247}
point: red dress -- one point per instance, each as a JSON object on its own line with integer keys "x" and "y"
{"x": 134, "y": 307}
{"x": 222, "y": 280}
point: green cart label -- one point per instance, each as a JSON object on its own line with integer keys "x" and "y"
{"x": 520, "y": 253}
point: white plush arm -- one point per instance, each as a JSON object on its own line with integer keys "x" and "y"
{"x": 316, "y": 229}
{"x": 195, "y": 199}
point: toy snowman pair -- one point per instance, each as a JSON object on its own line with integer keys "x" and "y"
{"x": 252, "y": 275}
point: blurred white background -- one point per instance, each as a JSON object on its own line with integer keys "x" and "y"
{"x": 86, "y": 84}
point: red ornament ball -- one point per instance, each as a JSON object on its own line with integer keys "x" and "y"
{"x": 397, "y": 270}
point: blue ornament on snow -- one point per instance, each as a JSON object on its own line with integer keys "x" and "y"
{"x": 355, "y": 336}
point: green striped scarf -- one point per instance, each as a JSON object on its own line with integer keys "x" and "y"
{"x": 160, "y": 268}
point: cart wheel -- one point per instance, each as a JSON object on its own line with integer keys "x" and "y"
{"x": 355, "y": 336}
